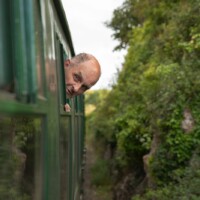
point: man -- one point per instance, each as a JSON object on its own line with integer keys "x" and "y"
{"x": 81, "y": 73}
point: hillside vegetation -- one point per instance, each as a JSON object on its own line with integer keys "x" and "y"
{"x": 147, "y": 127}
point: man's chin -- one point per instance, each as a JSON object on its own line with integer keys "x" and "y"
{"x": 69, "y": 96}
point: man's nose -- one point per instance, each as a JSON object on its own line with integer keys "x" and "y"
{"x": 77, "y": 87}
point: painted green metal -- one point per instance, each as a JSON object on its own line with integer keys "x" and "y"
{"x": 6, "y": 69}
{"x": 19, "y": 49}
{"x": 30, "y": 50}
{"x": 34, "y": 42}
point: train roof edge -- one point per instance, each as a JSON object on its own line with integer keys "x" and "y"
{"x": 63, "y": 19}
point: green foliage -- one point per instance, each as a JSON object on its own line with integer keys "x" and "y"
{"x": 158, "y": 82}
{"x": 133, "y": 140}
{"x": 122, "y": 23}
{"x": 94, "y": 97}
{"x": 100, "y": 173}
{"x": 16, "y": 134}
{"x": 104, "y": 193}
{"x": 186, "y": 187}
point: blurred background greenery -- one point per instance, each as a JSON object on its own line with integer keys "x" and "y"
{"x": 145, "y": 130}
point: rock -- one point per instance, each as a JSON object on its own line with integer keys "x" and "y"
{"x": 188, "y": 122}
{"x": 146, "y": 159}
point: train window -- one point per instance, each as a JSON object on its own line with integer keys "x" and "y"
{"x": 67, "y": 100}
{"x": 65, "y": 129}
{"x": 76, "y": 147}
{"x": 39, "y": 50}
{"x": 20, "y": 158}
{"x": 23, "y": 50}
{"x": 77, "y": 104}
{"x": 6, "y": 69}
{"x": 79, "y": 108}
{"x": 17, "y": 50}
{"x": 61, "y": 57}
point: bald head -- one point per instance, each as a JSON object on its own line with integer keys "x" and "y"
{"x": 81, "y": 73}
{"x": 82, "y": 57}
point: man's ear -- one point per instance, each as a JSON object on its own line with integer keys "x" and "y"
{"x": 67, "y": 63}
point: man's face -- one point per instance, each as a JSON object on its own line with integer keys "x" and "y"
{"x": 80, "y": 78}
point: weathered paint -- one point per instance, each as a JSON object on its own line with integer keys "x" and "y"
{"x": 39, "y": 45}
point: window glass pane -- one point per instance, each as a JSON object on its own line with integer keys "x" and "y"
{"x": 79, "y": 104}
{"x": 6, "y": 69}
{"x": 39, "y": 49}
{"x": 65, "y": 127}
{"x": 20, "y": 158}
{"x": 60, "y": 71}
{"x": 76, "y": 152}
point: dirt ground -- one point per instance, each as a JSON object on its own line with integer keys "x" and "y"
{"x": 89, "y": 191}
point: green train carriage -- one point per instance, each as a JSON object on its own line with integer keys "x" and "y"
{"x": 41, "y": 145}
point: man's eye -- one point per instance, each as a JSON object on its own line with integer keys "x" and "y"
{"x": 84, "y": 87}
{"x": 76, "y": 78}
